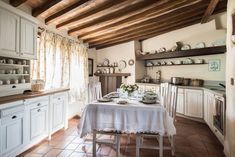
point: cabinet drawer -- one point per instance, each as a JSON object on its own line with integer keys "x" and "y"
{"x": 38, "y": 109}
{"x": 37, "y": 102}
{"x": 9, "y": 111}
{"x": 12, "y": 117}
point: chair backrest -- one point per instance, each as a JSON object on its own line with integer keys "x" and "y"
{"x": 173, "y": 101}
{"x": 94, "y": 91}
{"x": 164, "y": 94}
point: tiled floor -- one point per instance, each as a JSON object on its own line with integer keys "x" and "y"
{"x": 193, "y": 140}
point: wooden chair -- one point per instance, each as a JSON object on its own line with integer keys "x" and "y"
{"x": 107, "y": 138}
{"x": 171, "y": 110}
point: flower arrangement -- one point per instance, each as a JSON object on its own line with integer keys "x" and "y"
{"x": 129, "y": 88}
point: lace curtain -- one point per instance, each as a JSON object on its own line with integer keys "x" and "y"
{"x": 62, "y": 63}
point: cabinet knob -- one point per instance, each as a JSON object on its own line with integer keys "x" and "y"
{"x": 39, "y": 110}
{"x": 13, "y": 86}
{"x": 13, "y": 117}
{"x": 39, "y": 104}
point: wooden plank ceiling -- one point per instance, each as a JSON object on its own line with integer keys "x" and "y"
{"x": 103, "y": 23}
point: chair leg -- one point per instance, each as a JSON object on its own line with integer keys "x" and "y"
{"x": 128, "y": 139}
{"x": 172, "y": 145}
{"x": 138, "y": 139}
{"x": 161, "y": 146}
{"x": 94, "y": 143}
{"x": 118, "y": 145}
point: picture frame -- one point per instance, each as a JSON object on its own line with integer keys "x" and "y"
{"x": 214, "y": 65}
{"x": 90, "y": 66}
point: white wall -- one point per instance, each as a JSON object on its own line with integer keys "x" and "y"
{"x": 230, "y": 89}
{"x": 120, "y": 52}
{"x": 190, "y": 35}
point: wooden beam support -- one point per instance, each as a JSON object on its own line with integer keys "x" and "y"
{"x": 141, "y": 33}
{"x": 47, "y": 5}
{"x": 17, "y": 3}
{"x": 68, "y": 10}
{"x": 158, "y": 23}
{"x": 173, "y": 7}
{"x": 109, "y": 8}
{"x": 145, "y": 36}
{"x": 209, "y": 11}
{"x": 126, "y": 11}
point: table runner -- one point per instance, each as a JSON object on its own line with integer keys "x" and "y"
{"x": 133, "y": 117}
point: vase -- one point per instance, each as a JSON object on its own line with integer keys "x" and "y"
{"x": 130, "y": 94}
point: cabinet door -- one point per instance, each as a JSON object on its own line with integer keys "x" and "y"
{"x": 193, "y": 103}
{"x": 206, "y": 105}
{"x": 28, "y": 39}
{"x": 38, "y": 120}
{"x": 180, "y": 103}
{"x": 211, "y": 104}
{"x": 12, "y": 134}
{"x": 9, "y": 34}
{"x": 58, "y": 113}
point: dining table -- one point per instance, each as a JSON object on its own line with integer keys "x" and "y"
{"x": 130, "y": 118}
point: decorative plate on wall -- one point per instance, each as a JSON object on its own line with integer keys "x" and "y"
{"x": 121, "y": 65}
{"x": 106, "y": 62}
{"x": 131, "y": 62}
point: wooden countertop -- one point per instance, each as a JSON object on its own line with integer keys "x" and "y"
{"x": 12, "y": 98}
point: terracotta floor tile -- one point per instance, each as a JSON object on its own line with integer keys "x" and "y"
{"x": 75, "y": 154}
{"x": 53, "y": 153}
{"x": 71, "y": 146}
{"x": 65, "y": 153}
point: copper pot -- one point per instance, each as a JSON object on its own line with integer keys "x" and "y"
{"x": 197, "y": 82}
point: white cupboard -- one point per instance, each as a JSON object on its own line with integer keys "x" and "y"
{"x": 12, "y": 129}
{"x": 209, "y": 100}
{"x": 28, "y": 37}
{"x": 17, "y": 36}
{"x": 194, "y": 103}
{"x": 9, "y": 33}
{"x": 180, "y": 101}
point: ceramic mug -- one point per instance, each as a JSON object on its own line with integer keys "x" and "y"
{"x": 16, "y": 81}
{"x": 22, "y": 80}
{"x": 24, "y": 62}
{"x": 10, "y": 61}
{"x": 8, "y": 82}
{"x": 1, "y": 82}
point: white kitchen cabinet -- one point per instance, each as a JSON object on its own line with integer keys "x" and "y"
{"x": 209, "y": 100}
{"x": 12, "y": 130}
{"x": 38, "y": 122}
{"x": 9, "y": 34}
{"x": 194, "y": 103}
{"x": 17, "y": 36}
{"x": 28, "y": 37}
{"x": 58, "y": 111}
{"x": 180, "y": 101}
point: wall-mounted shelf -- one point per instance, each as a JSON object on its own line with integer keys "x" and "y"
{"x": 184, "y": 53}
{"x": 175, "y": 65}
{"x": 14, "y": 74}
{"x": 106, "y": 66}
{"x": 13, "y": 65}
{"x": 115, "y": 74}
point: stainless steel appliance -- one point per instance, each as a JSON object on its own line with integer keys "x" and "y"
{"x": 177, "y": 80}
{"x": 219, "y": 114}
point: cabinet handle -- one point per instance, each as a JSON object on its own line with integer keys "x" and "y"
{"x": 13, "y": 87}
{"x": 39, "y": 110}
{"x": 13, "y": 117}
{"x": 39, "y": 104}
{"x": 58, "y": 98}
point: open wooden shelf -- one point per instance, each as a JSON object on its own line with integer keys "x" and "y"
{"x": 175, "y": 65}
{"x": 103, "y": 66}
{"x": 184, "y": 53}
{"x": 114, "y": 74}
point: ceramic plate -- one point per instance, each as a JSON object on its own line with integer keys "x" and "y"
{"x": 104, "y": 100}
{"x": 106, "y": 62}
{"x": 200, "y": 45}
{"x": 185, "y": 47}
{"x": 122, "y": 64}
{"x": 131, "y": 62}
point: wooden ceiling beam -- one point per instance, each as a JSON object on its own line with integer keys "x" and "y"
{"x": 130, "y": 16}
{"x": 142, "y": 32}
{"x": 133, "y": 9}
{"x": 109, "y": 8}
{"x": 209, "y": 11}
{"x": 141, "y": 37}
{"x": 17, "y": 3}
{"x": 68, "y": 10}
{"x": 172, "y": 7}
{"x": 47, "y": 5}
{"x": 158, "y": 22}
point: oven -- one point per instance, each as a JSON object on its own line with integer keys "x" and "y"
{"x": 219, "y": 114}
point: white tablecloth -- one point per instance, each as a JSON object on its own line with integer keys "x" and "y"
{"x": 129, "y": 118}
